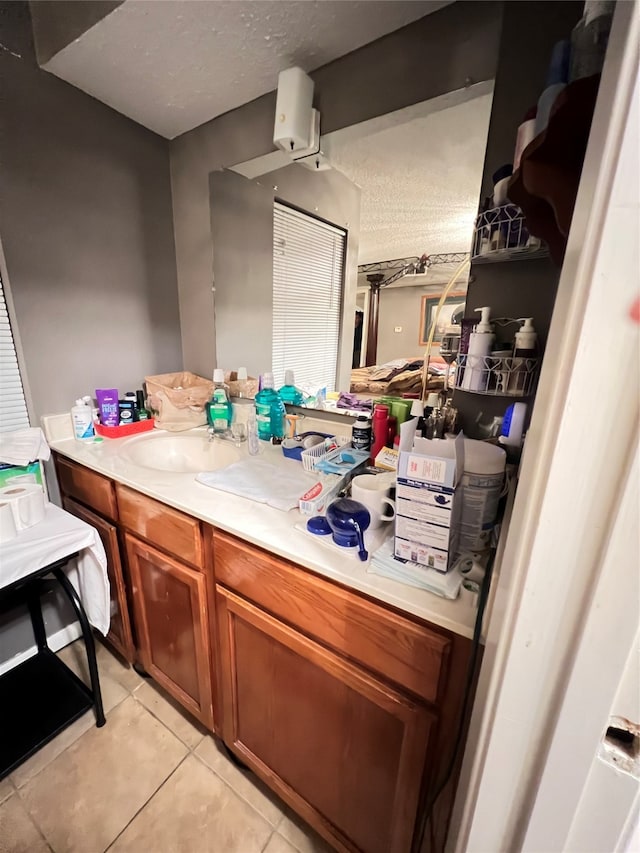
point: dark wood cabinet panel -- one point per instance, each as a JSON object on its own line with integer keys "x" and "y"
{"x": 409, "y": 654}
{"x": 169, "y": 529}
{"x": 120, "y": 634}
{"x": 171, "y": 614}
{"x": 91, "y": 489}
{"x": 343, "y": 748}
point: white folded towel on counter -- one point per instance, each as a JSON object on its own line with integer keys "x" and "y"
{"x": 278, "y": 486}
{"x": 385, "y": 563}
{"x": 23, "y": 446}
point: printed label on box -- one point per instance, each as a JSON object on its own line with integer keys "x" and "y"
{"x": 422, "y": 554}
{"x": 427, "y": 468}
{"x": 423, "y": 511}
{"x": 421, "y": 531}
{"x": 423, "y": 493}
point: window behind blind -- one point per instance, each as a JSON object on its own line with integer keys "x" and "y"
{"x": 13, "y": 408}
{"x": 308, "y": 277}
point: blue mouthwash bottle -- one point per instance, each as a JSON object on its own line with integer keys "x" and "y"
{"x": 270, "y": 410}
{"x": 219, "y": 409}
{"x": 289, "y": 393}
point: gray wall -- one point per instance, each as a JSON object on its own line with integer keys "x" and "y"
{"x": 521, "y": 288}
{"x": 437, "y": 54}
{"x": 86, "y": 228}
{"x": 402, "y": 306}
{"x": 55, "y": 25}
{"x": 242, "y": 231}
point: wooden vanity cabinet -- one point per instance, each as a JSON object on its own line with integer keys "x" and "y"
{"x": 170, "y": 593}
{"x": 346, "y": 708}
{"x": 171, "y": 614}
{"x": 342, "y": 706}
{"x": 91, "y": 497}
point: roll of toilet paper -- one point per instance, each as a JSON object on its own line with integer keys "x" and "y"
{"x": 469, "y": 592}
{"x": 7, "y": 524}
{"x": 26, "y": 501}
{"x": 470, "y": 569}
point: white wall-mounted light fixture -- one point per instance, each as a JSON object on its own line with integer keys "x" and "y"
{"x": 297, "y": 124}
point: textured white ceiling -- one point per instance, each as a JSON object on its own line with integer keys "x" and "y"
{"x": 420, "y": 177}
{"x": 173, "y": 64}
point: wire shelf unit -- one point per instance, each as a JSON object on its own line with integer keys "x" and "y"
{"x": 496, "y": 375}
{"x": 501, "y": 234}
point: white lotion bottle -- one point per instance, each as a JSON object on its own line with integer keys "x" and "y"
{"x": 476, "y": 374}
{"x": 82, "y": 417}
{"x": 525, "y": 346}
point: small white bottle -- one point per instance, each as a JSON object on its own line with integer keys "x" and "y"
{"x": 476, "y": 373}
{"x": 525, "y": 346}
{"x": 82, "y": 418}
{"x": 241, "y": 384}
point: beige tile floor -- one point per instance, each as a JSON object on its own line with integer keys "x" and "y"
{"x": 150, "y": 781}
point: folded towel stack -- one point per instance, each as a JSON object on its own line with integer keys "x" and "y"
{"x": 383, "y": 562}
{"x": 23, "y": 446}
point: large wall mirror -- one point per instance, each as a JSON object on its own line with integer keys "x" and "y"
{"x": 401, "y": 186}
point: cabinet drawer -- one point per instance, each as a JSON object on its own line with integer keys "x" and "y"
{"x": 161, "y": 525}
{"x": 91, "y": 489}
{"x": 408, "y": 654}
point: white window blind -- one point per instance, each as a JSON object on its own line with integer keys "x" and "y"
{"x": 13, "y": 408}
{"x": 308, "y": 274}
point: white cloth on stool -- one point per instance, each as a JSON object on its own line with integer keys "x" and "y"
{"x": 23, "y": 446}
{"x": 54, "y": 538}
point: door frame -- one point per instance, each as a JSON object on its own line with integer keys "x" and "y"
{"x": 576, "y": 458}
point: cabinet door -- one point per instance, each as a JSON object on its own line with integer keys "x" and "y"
{"x": 344, "y": 749}
{"x": 119, "y": 635}
{"x": 171, "y": 616}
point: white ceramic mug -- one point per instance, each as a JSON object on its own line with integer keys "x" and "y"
{"x": 372, "y": 490}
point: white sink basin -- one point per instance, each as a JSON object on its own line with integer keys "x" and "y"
{"x": 183, "y": 453}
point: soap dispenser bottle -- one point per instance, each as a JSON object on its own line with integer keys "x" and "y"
{"x": 525, "y": 346}
{"x": 476, "y": 374}
{"x": 219, "y": 409}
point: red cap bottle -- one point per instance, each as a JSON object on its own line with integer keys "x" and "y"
{"x": 380, "y": 429}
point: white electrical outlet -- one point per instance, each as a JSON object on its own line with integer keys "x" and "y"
{"x": 398, "y": 329}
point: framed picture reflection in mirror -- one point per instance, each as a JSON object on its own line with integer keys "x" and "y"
{"x": 453, "y": 304}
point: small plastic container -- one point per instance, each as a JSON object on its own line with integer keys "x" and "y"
{"x": 124, "y": 430}
{"x": 313, "y": 455}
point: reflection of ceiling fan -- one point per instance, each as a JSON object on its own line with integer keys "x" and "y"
{"x": 399, "y": 267}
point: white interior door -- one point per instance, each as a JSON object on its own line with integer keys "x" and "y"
{"x": 570, "y": 570}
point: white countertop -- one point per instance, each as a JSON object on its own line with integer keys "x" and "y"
{"x": 265, "y": 527}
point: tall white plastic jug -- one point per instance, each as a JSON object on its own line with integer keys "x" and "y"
{"x": 481, "y": 487}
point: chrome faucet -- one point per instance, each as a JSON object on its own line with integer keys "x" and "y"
{"x": 237, "y": 434}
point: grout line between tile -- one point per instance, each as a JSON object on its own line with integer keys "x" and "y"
{"x": 267, "y": 841}
{"x": 237, "y": 793}
{"x": 147, "y": 801}
{"x": 32, "y": 818}
{"x": 175, "y": 734}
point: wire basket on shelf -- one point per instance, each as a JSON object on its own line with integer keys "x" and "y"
{"x": 313, "y": 455}
{"x": 501, "y": 233}
{"x": 495, "y": 375}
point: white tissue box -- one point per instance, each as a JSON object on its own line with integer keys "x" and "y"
{"x": 428, "y": 502}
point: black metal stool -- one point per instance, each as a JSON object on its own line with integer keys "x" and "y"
{"x": 42, "y": 696}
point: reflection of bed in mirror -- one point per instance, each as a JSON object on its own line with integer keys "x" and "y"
{"x": 398, "y": 377}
